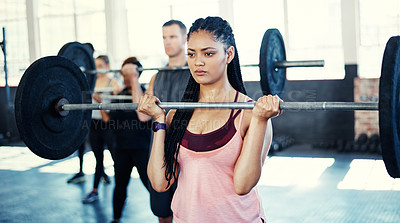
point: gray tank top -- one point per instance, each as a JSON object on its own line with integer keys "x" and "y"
{"x": 169, "y": 86}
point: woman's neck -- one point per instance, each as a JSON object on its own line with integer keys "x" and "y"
{"x": 216, "y": 93}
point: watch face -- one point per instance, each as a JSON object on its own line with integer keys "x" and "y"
{"x": 155, "y": 126}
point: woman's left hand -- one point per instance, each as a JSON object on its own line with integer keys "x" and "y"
{"x": 267, "y": 107}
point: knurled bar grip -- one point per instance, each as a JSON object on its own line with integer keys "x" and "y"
{"x": 302, "y": 63}
{"x": 343, "y": 106}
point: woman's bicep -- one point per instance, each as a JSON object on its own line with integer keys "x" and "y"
{"x": 267, "y": 140}
{"x": 170, "y": 116}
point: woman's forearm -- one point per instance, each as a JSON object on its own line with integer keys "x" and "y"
{"x": 104, "y": 116}
{"x": 156, "y": 168}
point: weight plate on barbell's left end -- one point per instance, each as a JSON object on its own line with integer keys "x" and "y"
{"x": 389, "y": 107}
{"x": 272, "y": 49}
{"x": 81, "y": 55}
{"x": 45, "y": 132}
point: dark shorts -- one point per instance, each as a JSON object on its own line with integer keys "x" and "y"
{"x": 160, "y": 201}
{"x": 125, "y": 160}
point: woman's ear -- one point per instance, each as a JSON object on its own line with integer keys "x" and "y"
{"x": 231, "y": 54}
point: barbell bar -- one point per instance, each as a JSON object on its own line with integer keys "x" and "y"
{"x": 344, "y": 106}
{"x": 300, "y": 106}
{"x": 278, "y": 64}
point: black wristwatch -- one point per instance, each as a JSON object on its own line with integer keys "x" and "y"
{"x": 157, "y": 126}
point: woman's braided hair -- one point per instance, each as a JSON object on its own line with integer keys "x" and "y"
{"x": 222, "y": 32}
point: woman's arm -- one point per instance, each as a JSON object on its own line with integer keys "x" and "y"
{"x": 104, "y": 115}
{"x": 115, "y": 85}
{"x": 255, "y": 145}
{"x": 155, "y": 167}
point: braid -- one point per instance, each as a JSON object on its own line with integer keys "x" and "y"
{"x": 235, "y": 74}
{"x": 177, "y": 129}
{"x": 222, "y": 32}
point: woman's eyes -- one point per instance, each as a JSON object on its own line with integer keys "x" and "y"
{"x": 208, "y": 54}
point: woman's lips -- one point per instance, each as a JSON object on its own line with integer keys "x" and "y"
{"x": 200, "y": 72}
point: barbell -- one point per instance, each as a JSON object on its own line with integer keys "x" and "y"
{"x": 53, "y": 106}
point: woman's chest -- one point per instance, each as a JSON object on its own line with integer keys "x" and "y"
{"x": 205, "y": 121}
{"x": 102, "y": 82}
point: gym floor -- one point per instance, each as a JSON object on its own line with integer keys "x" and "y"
{"x": 299, "y": 184}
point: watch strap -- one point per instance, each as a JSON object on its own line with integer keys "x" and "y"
{"x": 157, "y": 126}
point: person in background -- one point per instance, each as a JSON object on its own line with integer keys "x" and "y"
{"x": 167, "y": 85}
{"x": 132, "y": 142}
{"x": 100, "y": 134}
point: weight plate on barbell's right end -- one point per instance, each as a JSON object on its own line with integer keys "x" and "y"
{"x": 272, "y": 49}
{"x": 45, "y": 132}
{"x": 82, "y": 56}
{"x": 389, "y": 107}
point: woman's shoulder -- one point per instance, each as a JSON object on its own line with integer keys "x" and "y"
{"x": 245, "y": 98}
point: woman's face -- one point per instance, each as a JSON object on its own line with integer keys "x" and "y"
{"x": 207, "y": 58}
{"x": 101, "y": 65}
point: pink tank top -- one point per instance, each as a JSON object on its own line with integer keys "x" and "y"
{"x": 205, "y": 191}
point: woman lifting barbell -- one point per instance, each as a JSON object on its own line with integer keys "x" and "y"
{"x": 217, "y": 163}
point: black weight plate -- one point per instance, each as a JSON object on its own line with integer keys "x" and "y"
{"x": 389, "y": 107}
{"x": 272, "y": 49}
{"x": 82, "y": 56}
{"x": 46, "y": 133}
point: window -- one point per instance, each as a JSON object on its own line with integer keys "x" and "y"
{"x": 91, "y": 23}
{"x": 13, "y": 18}
{"x": 71, "y": 20}
{"x": 249, "y": 25}
{"x": 315, "y": 33}
{"x": 312, "y": 35}
{"x": 379, "y": 20}
{"x": 56, "y": 25}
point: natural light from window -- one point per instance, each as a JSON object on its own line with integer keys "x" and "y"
{"x": 294, "y": 171}
{"x": 368, "y": 174}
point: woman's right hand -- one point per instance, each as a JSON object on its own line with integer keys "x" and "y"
{"x": 267, "y": 107}
{"x": 148, "y": 106}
